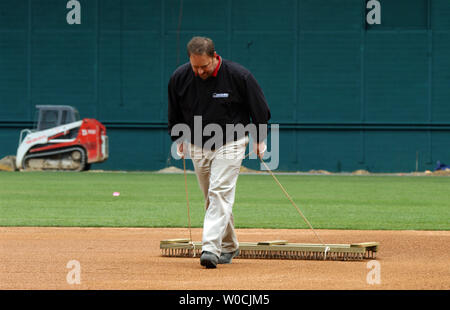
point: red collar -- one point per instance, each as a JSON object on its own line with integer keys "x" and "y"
{"x": 214, "y": 74}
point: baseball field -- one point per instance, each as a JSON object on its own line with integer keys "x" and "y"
{"x": 107, "y": 226}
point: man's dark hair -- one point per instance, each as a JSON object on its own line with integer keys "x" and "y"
{"x": 200, "y": 46}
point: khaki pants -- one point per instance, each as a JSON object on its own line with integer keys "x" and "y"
{"x": 217, "y": 173}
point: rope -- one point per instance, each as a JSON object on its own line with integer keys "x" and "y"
{"x": 188, "y": 209}
{"x": 296, "y": 207}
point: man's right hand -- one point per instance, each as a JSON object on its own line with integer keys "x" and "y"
{"x": 180, "y": 149}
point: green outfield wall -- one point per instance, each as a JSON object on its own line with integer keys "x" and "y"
{"x": 352, "y": 84}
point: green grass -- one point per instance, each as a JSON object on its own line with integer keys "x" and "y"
{"x": 158, "y": 200}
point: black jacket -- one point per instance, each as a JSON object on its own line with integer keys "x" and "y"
{"x": 231, "y": 97}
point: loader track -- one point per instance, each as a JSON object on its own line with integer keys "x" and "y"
{"x": 59, "y": 160}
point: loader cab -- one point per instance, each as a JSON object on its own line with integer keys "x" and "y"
{"x": 49, "y": 116}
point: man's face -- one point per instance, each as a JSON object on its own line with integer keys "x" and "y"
{"x": 202, "y": 65}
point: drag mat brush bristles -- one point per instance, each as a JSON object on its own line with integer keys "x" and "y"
{"x": 279, "y": 250}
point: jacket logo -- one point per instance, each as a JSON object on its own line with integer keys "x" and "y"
{"x": 220, "y": 95}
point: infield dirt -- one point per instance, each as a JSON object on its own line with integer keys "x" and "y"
{"x": 129, "y": 258}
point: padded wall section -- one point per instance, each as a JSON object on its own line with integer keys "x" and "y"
{"x": 347, "y": 95}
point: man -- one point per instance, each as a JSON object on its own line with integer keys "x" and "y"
{"x": 220, "y": 93}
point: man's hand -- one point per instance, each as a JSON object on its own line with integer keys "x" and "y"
{"x": 180, "y": 149}
{"x": 259, "y": 149}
